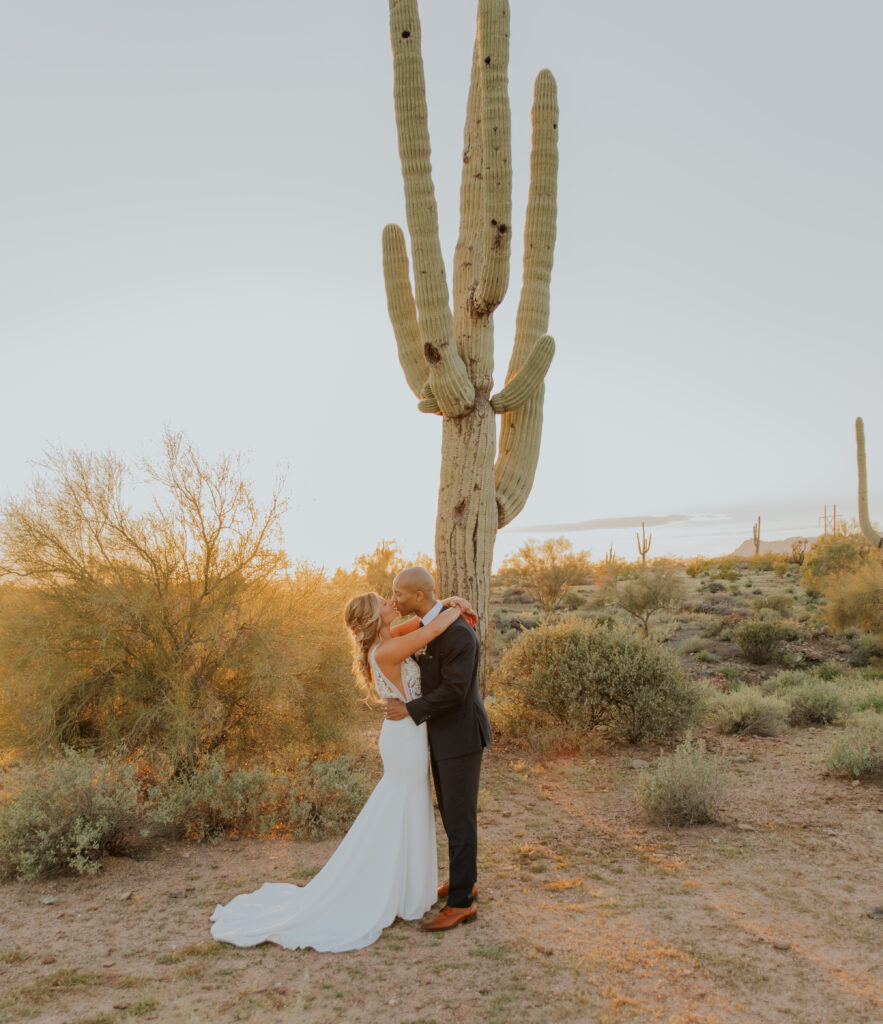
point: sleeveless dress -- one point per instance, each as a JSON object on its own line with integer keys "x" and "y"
{"x": 385, "y": 866}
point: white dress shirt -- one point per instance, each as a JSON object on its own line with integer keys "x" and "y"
{"x": 436, "y": 609}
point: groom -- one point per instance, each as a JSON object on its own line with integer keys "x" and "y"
{"x": 458, "y": 733}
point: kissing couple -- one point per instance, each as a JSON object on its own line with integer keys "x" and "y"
{"x": 386, "y": 866}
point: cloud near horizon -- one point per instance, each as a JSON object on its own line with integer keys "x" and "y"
{"x": 614, "y": 523}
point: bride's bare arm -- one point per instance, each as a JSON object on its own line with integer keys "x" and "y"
{"x": 397, "y": 648}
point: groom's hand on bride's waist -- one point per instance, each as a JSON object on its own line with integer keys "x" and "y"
{"x": 395, "y": 709}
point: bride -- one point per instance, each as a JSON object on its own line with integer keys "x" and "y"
{"x": 385, "y": 866}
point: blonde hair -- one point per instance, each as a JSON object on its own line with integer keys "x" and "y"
{"x": 362, "y": 617}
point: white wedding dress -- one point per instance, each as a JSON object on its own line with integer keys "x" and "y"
{"x": 384, "y": 868}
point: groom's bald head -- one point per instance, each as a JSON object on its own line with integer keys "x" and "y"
{"x": 413, "y": 590}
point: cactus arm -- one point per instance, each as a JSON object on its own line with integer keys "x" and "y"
{"x": 447, "y": 372}
{"x": 401, "y": 307}
{"x": 521, "y": 429}
{"x": 496, "y": 205}
{"x": 864, "y": 517}
{"x": 523, "y": 385}
{"x": 469, "y": 339}
{"x": 428, "y": 403}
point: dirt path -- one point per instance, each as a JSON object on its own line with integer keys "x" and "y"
{"x": 586, "y": 915}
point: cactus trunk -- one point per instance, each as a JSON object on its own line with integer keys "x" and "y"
{"x": 466, "y": 523}
{"x": 447, "y": 350}
{"x": 864, "y": 516}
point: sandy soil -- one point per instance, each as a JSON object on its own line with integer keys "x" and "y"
{"x": 586, "y": 914}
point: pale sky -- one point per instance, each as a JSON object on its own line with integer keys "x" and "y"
{"x": 192, "y": 196}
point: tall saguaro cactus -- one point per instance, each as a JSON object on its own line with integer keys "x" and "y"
{"x": 755, "y": 533}
{"x": 864, "y": 517}
{"x": 447, "y": 349}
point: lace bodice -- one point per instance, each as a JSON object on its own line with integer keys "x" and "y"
{"x": 410, "y": 680}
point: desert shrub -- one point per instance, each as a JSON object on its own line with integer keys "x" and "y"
{"x": 178, "y": 629}
{"x": 829, "y": 670}
{"x": 714, "y": 587}
{"x": 547, "y": 569}
{"x": 726, "y": 573}
{"x": 760, "y": 641}
{"x": 767, "y": 615}
{"x": 858, "y": 751}
{"x": 684, "y": 787}
{"x": 697, "y": 566}
{"x": 748, "y": 712}
{"x": 868, "y": 698}
{"x": 212, "y": 798}
{"x": 572, "y": 601}
{"x": 377, "y": 570}
{"x": 690, "y": 646}
{"x": 651, "y": 589}
{"x": 576, "y": 673}
{"x": 714, "y": 604}
{"x": 782, "y": 682}
{"x": 832, "y": 555}
{"x": 714, "y": 628}
{"x": 855, "y": 598}
{"x": 728, "y": 671}
{"x": 791, "y": 659}
{"x": 816, "y": 703}
{"x": 780, "y": 603}
{"x": 326, "y": 797}
{"x": 66, "y": 813}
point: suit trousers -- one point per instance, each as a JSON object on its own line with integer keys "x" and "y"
{"x": 456, "y": 788}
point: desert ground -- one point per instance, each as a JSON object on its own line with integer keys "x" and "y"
{"x": 772, "y": 914}
{"x": 586, "y": 913}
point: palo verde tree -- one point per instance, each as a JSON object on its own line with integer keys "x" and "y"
{"x": 447, "y": 349}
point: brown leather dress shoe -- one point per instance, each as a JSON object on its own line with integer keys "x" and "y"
{"x": 445, "y": 888}
{"x": 450, "y": 917}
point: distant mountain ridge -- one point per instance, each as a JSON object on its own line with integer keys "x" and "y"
{"x": 775, "y": 547}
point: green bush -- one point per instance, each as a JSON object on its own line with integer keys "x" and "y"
{"x": 829, "y": 670}
{"x": 816, "y": 703}
{"x": 782, "y": 682}
{"x": 684, "y": 787}
{"x": 869, "y": 699}
{"x": 760, "y": 641}
{"x": 211, "y": 799}
{"x": 578, "y": 674}
{"x": 66, "y": 813}
{"x": 326, "y": 797}
{"x": 748, "y": 712}
{"x": 858, "y": 752}
{"x": 866, "y": 648}
{"x": 780, "y": 603}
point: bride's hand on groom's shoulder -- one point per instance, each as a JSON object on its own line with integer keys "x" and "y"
{"x": 463, "y": 606}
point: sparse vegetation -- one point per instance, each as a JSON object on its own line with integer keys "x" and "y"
{"x": 683, "y": 787}
{"x": 858, "y": 752}
{"x": 748, "y": 712}
{"x": 547, "y": 570}
{"x": 816, "y": 703}
{"x": 651, "y": 589}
